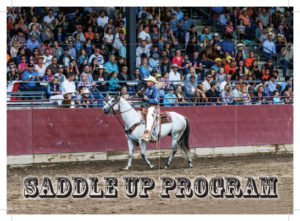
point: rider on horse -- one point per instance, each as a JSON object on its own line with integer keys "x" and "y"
{"x": 151, "y": 99}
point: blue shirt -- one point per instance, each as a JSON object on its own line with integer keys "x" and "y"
{"x": 152, "y": 94}
{"x": 32, "y": 45}
{"x": 144, "y": 72}
{"x": 26, "y": 75}
{"x": 228, "y": 46}
{"x": 113, "y": 83}
{"x": 109, "y": 67}
{"x": 185, "y": 25}
{"x": 72, "y": 52}
{"x": 173, "y": 25}
{"x": 179, "y": 15}
{"x": 169, "y": 100}
{"x": 269, "y": 47}
{"x": 202, "y": 36}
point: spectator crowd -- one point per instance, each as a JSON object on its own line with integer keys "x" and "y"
{"x": 76, "y": 55}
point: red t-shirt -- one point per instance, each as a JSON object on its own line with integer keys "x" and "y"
{"x": 178, "y": 61}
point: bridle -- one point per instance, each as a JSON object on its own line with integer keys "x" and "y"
{"x": 111, "y": 106}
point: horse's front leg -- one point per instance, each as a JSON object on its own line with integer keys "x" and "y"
{"x": 131, "y": 149}
{"x": 143, "y": 153}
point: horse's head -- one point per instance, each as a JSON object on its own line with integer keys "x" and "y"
{"x": 113, "y": 104}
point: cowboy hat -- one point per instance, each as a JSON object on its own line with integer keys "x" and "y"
{"x": 240, "y": 45}
{"x": 174, "y": 66}
{"x": 151, "y": 78}
{"x": 101, "y": 66}
{"x": 157, "y": 75}
{"x": 67, "y": 92}
{"x": 216, "y": 34}
{"x": 86, "y": 91}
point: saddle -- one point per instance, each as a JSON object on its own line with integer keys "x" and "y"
{"x": 164, "y": 116}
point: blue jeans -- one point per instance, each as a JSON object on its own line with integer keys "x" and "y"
{"x": 286, "y": 64}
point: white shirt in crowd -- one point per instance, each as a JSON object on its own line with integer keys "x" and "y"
{"x": 174, "y": 77}
{"x": 68, "y": 86}
{"x": 47, "y": 19}
{"x": 40, "y": 71}
{"x": 47, "y": 60}
{"x": 206, "y": 85}
{"x": 99, "y": 57}
{"x": 102, "y": 21}
{"x": 144, "y": 36}
{"x": 109, "y": 38}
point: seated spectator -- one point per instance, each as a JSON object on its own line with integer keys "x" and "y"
{"x": 259, "y": 96}
{"x": 12, "y": 74}
{"x": 72, "y": 50}
{"x": 177, "y": 59}
{"x": 240, "y": 49}
{"x": 246, "y": 98}
{"x": 114, "y": 82}
{"x": 140, "y": 50}
{"x": 144, "y": 68}
{"x": 200, "y": 97}
{"x": 250, "y": 59}
{"x": 180, "y": 96}
{"x": 32, "y": 42}
{"x": 31, "y": 77}
{"x": 102, "y": 20}
{"x": 123, "y": 76}
{"x": 65, "y": 58}
{"x": 53, "y": 91}
{"x": 40, "y": 67}
{"x": 118, "y": 42}
{"x": 287, "y": 94}
{"x": 191, "y": 86}
{"x": 170, "y": 99}
{"x": 228, "y": 44}
{"x": 271, "y": 86}
{"x": 259, "y": 31}
{"x": 154, "y": 62}
{"x": 230, "y": 67}
{"x": 68, "y": 101}
{"x": 144, "y": 35}
{"x": 85, "y": 98}
{"x": 85, "y": 82}
{"x": 47, "y": 58}
{"x": 276, "y": 98}
{"x": 53, "y": 65}
{"x": 227, "y": 96}
{"x": 111, "y": 65}
{"x": 165, "y": 65}
{"x": 212, "y": 94}
{"x": 217, "y": 65}
{"x": 205, "y": 34}
{"x": 287, "y": 81}
{"x": 48, "y": 75}
{"x": 192, "y": 72}
{"x": 69, "y": 85}
{"x": 89, "y": 76}
{"x": 174, "y": 75}
{"x": 60, "y": 74}
{"x": 15, "y": 48}
{"x": 237, "y": 93}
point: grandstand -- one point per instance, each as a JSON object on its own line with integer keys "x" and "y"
{"x": 73, "y": 57}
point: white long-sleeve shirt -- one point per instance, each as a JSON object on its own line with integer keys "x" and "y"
{"x": 68, "y": 86}
{"x": 174, "y": 77}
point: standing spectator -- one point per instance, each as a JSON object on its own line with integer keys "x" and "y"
{"x": 287, "y": 57}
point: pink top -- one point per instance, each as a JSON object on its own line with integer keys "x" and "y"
{"x": 178, "y": 61}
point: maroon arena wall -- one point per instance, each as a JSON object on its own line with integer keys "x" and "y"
{"x": 86, "y": 130}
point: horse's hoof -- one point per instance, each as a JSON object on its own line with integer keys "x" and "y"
{"x": 126, "y": 168}
{"x": 151, "y": 166}
{"x": 166, "y": 167}
{"x": 190, "y": 165}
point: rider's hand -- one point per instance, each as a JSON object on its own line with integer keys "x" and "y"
{"x": 145, "y": 97}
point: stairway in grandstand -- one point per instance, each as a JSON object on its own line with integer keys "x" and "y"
{"x": 201, "y": 21}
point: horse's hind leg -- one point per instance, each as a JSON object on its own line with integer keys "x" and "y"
{"x": 143, "y": 153}
{"x": 130, "y": 148}
{"x": 175, "y": 138}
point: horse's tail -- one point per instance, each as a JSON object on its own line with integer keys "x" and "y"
{"x": 184, "y": 139}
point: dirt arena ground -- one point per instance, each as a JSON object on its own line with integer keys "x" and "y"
{"x": 280, "y": 165}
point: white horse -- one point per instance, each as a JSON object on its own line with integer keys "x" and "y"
{"x": 178, "y": 129}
